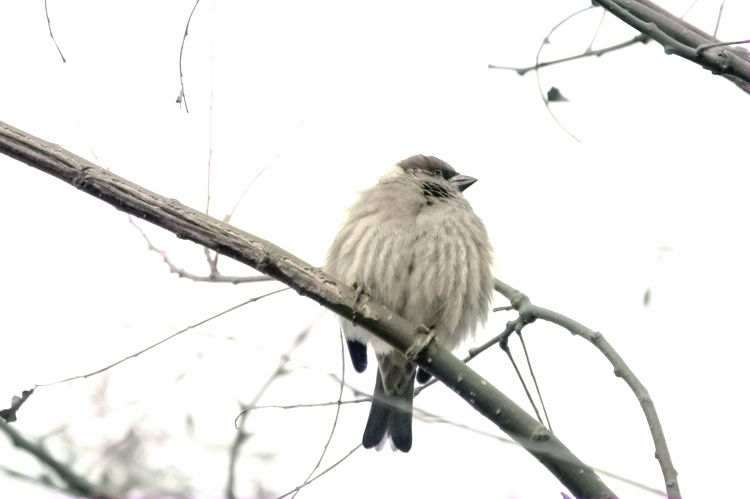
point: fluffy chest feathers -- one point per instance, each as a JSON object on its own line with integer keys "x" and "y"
{"x": 417, "y": 247}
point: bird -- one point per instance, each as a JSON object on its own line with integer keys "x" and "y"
{"x": 413, "y": 243}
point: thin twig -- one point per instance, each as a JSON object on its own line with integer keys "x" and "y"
{"x": 252, "y": 181}
{"x": 249, "y": 407}
{"x": 526, "y": 309}
{"x": 154, "y": 345}
{"x": 702, "y": 48}
{"x": 428, "y": 417}
{"x": 533, "y": 377}
{"x": 718, "y": 18}
{"x": 213, "y": 276}
{"x": 213, "y": 265}
{"x": 536, "y": 63}
{"x": 210, "y": 124}
{"x": 43, "y": 480}
{"x": 49, "y": 25}
{"x": 640, "y": 38}
{"x": 335, "y": 418}
{"x": 213, "y": 261}
{"x": 690, "y": 7}
{"x": 182, "y": 97}
{"x": 596, "y": 32}
{"x": 473, "y": 352}
{"x": 520, "y": 378}
{"x": 80, "y": 485}
{"x": 210, "y": 148}
{"x": 346, "y": 456}
{"x": 241, "y": 435}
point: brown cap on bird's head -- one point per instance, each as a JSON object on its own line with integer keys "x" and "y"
{"x": 436, "y": 166}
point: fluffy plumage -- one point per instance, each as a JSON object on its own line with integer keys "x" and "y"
{"x": 414, "y": 244}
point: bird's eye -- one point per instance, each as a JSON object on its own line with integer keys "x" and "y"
{"x": 437, "y": 173}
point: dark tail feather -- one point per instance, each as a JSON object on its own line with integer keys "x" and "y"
{"x": 380, "y": 411}
{"x": 391, "y": 409}
{"x": 399, "y": 424}
{"x": 358, "y": 354}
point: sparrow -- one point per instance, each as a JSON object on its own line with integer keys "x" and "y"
{"x": 413, "y": 243}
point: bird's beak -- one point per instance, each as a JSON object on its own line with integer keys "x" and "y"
{"x": 462, "y": 182}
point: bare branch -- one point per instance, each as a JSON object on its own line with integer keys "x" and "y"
{"x": 718, "y": 18}
{"x": 49, "y": 26}
{"x": 641, "y": 38}
{"x": 676, "y": 35}
{"x": 529, "y": 312}
{"x": 533, "y": 377}
{"x": 538, "y": 79}
{"x": 690, "y": 7}
{"x": 308, "y": 482}
{"x": 429, "y": 417}
{"x": 41, "y": 479}
{"x": 701, "y": 48}
{"x": 252, "y": 181}
{"x": 76, "y": 483}
{"x": 154, "y": 345}
{"x": 214, "y": 275}
{"x": 335, "y": 419}
{"x": 312, "y": 282}
{"x": 598, "y": 29}
{"x": 210, "y": 137}
{"x": 306, "y": 406}
{"x": 241, "y": 435}
{"x": 682, "y": 38}
{"x": 181, "y": 97}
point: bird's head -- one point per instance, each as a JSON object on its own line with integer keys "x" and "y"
{"x": 436, "y": 177}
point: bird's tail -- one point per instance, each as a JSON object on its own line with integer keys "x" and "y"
{"x": 392, "y": 400}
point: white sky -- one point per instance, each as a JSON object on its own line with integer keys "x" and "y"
{"x": 339, "y": 91}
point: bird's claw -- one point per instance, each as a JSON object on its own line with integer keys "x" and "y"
{"x": 360, "y": 291}
{"x": 425, "y": 337}
{"x": 360, "y": 295}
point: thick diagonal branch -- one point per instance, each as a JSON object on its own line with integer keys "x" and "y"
{"x": 310, "y": 281}
{"x": 677, "y": 36}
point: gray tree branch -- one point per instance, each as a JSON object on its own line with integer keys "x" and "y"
{"x": 310, "y": 281}
{"x": 74, "y": 482}
{"x": 679, "y": 37}
{"x": 529, "y": 312}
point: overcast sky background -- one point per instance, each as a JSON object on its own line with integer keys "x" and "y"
{"x": 325, "y": 96}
